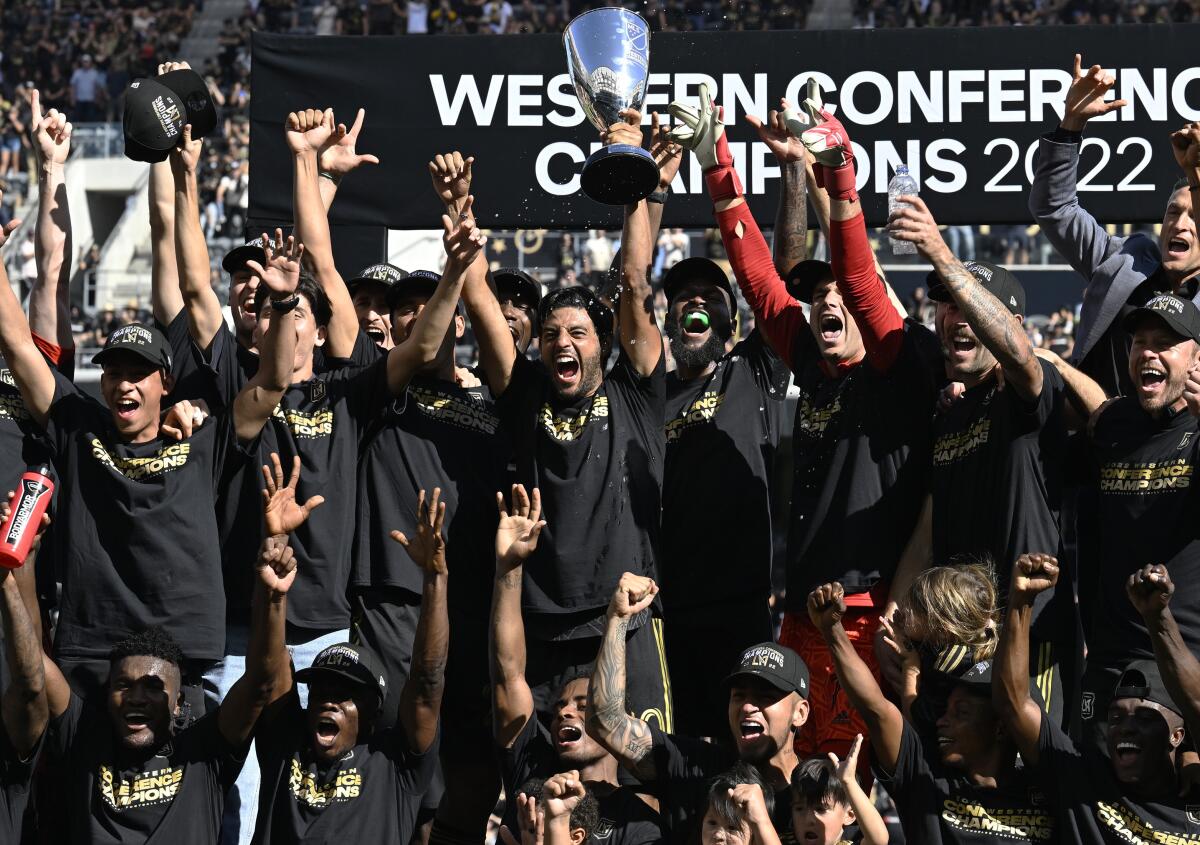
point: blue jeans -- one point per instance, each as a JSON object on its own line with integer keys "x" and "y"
{"x": 241, "y": 804}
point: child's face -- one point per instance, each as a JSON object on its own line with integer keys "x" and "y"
{"x": 820, "y": 824}
{"x": 716, "y": 832}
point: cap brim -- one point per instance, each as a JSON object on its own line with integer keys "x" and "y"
{"x": 140, "y": 152}
{"x": 312, "y": 673}
{"x": 523, "y": 287}
{"x": 237, "y": 257}
{"x": 1170, "y": 320}
{"x": 746, "y": 673}
{"x": 804, "y": 277}
{"x": 145, "y": 354}
{"x": 699, "y": 268}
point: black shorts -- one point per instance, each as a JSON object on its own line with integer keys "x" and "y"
{"x": 647, "y": 680}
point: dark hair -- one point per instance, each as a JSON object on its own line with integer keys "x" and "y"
{"x": 578, "y": 297}
{"x": 586, "y": 814}
{"x": 152, "y": 642}
{"x": 310, "y": 290}
{"x": 718, "y": 792}
{"x": 814, "y": 782}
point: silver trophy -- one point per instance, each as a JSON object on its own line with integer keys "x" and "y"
{"x": 608, "y": 55}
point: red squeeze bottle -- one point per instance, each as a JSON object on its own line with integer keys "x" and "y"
{"x": 21, "y": 528}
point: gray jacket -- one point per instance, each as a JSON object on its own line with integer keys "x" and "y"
{"x": 1113, "y": 267}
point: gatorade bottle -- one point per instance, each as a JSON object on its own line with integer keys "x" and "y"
{"x": 30, "y": 502}
{"x": 900, "y": 185}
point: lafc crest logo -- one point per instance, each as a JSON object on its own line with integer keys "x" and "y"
{"x": 603, "y": 830}
{"x": 316, "y": 391}
{"x": 1089, "y": 705}
{"x": 1193, "y": 813}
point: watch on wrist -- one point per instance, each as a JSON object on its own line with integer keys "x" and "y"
{"x": 332, "y": 177}
{"x": 283, "y": 306}
{"x": 659, "y": 197}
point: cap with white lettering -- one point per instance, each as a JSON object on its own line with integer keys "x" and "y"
{"x": 776, "y": 664}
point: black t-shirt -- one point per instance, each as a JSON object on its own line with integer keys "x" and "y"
{"x": 1149, "y": 512}
{"x": 599, "y": 465}
{"x": 860, "y": 447}
{"x": 322, "y": 420}
{"x": 625, "y": 819}
{"x": 997, "y": 477}
{"x": 684, "y": 766}
{"x": 21, "y": 442}
{"x": 16, "y": 777}
{"x": 436, "y": 435}
{"x": 143, "y": 529}
{"x": 722, "y": 431}
{"x": 1094, "y": 808}
{"x": 372, "y": 794}
{"x": 175, "y": 797}
{"x": 937, "y": 806}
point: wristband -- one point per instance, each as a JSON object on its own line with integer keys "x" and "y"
{"x": 332, "y": 177}
{"x": 1062, "y": 135}
{"x": 723, "y": 183}
{"x": 283, "y": 306}
{"x": 838, "y": 181}
{"x": 659, "y": 197}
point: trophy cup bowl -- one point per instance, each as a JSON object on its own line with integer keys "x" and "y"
{"x": 608, "y": 56}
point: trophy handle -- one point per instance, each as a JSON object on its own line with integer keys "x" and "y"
{"x": 619, "y": 174}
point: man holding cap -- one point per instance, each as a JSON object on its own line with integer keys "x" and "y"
{"x": 767, "y": 704}
{"x": 1002, "y": 440}
{"x": 330, "y": 772}
{"x": 1144, "y": 452}
{"x": 724, "y": 417}
{"x": 1129, "y": 790}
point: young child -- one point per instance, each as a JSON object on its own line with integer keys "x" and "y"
{"x": 826, "y": 799}
{"x": 739, "y": 810}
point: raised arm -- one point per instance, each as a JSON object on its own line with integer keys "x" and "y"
{"x": 338, "y": 158}
{"x": 29, "y": 369}
{"x": 255, "y": 402}
{"x": 24, "y": 704}
{"x": 608, "y": 720}
{"x": 463, "y": 243}
{"x": 421, "y": 698}
{"x": 516, "y": 539}
{"x": 1150, "y": 589}
{"x": 870, "y": 823}
{"x": 166, "y": 299}
{"x": 451, "y": 175}
{"x": 1084, "y": 395}
{"x": 997, "y": 328}
{"x": 790, "y": 238}
{"x": 826, "y": 606}
{"x": 668, "y": 156}
{"x": 307, "y": 132}
{"x": 191, "y": 250}
{"x": 1032, "y": 574}
{"x": 50, "y": 299}
{"x": 1053, "y": 199}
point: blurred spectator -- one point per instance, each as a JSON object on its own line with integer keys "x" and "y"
{"x": 325, "y": 18}
{"x": 88, "y": 91}
{"x": 496, "y": 14}
{"x": 417, "y": 17}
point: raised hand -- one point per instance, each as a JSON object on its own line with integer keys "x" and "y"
{"x": 561, "y": 794}
{"x": 826, "y": 606}
{"x": 1191, "y": 392}
{"x": 1185, "y": 143}
{"x": 338, "y": 156}
{"x": 309, "y": 130}
{"x": 913, "y": 222}
{"x": 702, "y": 128}
{"x": 184, "y": 417}
{"x": 282, "y": 271}
{"x": 530, "y": 823}
{"x": 633, "y": 595}
{"x": 1085, "y": 97}
{"x": 276, "y": 565}
{"x": 751, "y": 805}
{"x": 6, "y": 510}
{"x": 427, "y": 548}
{"x": 51, "y": 132}
{"x": 781, "y": 132}
{"x": 517, "y": 533}
{"x": 461, "y": 238}
{"x": 667, "y": 154}
{"x": 844, "y": 769}
{"x": 281, "y": 512}
{"x": 451, "y": 175}
{"x": 826, "y": 138}
{"x": 627, "y": 130}
{"x": 1150, "y": 589}
{"x": 185, "y": 157}
{"x": 1032, "y": 574}
{"x": 906, "y": 656}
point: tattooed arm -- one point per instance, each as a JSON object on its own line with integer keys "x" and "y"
{"x": 790, "y": 239}
{"x": 997, "y": 328}
{"x": 608, "y": 722}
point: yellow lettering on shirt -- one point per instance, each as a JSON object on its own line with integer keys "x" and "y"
{"x": 346, "y": 786}
{"x": 306, "y": 426}
{"x": 454, "y": 411}
{"x": 1120, "y": 477}
{"x": 166, "y": 459}
{"x": 954, "y": 447}
{"x": 142, "y": 790}
{"x": 813, "y": 420}
{"x": 1020, "y": 823}
{"x": 700, "y": 411}
{"x": 13, "y": 408}
{"x": 570, "y": 428}
{"x": 1128, "y": 827}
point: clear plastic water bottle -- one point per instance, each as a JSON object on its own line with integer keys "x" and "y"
{"x": 902, "y": 183}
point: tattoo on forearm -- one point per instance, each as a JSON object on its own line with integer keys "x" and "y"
{"x": 791, "y": 220}
{"x": 627, "y": 736}
{"x": 988, "y": 316}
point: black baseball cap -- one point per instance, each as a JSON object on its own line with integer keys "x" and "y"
{"x": 995, "y": 279}
{"x": 140, "y": 339}
{"x": 804, "y": 277}
{"x": 518, "y": 282}
{"x": 1180, "y": 315}
{"x": 156, "y": 110}
{"x": 776, "y": 664}
{"x": 384, "y": 273}
{"x": 421, "y": 282}
{"x": 355, "y": 663}
{"x": 1142, "y": 679}
{"x": 237, "y": 257}
{"x": 696, "y": 269}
